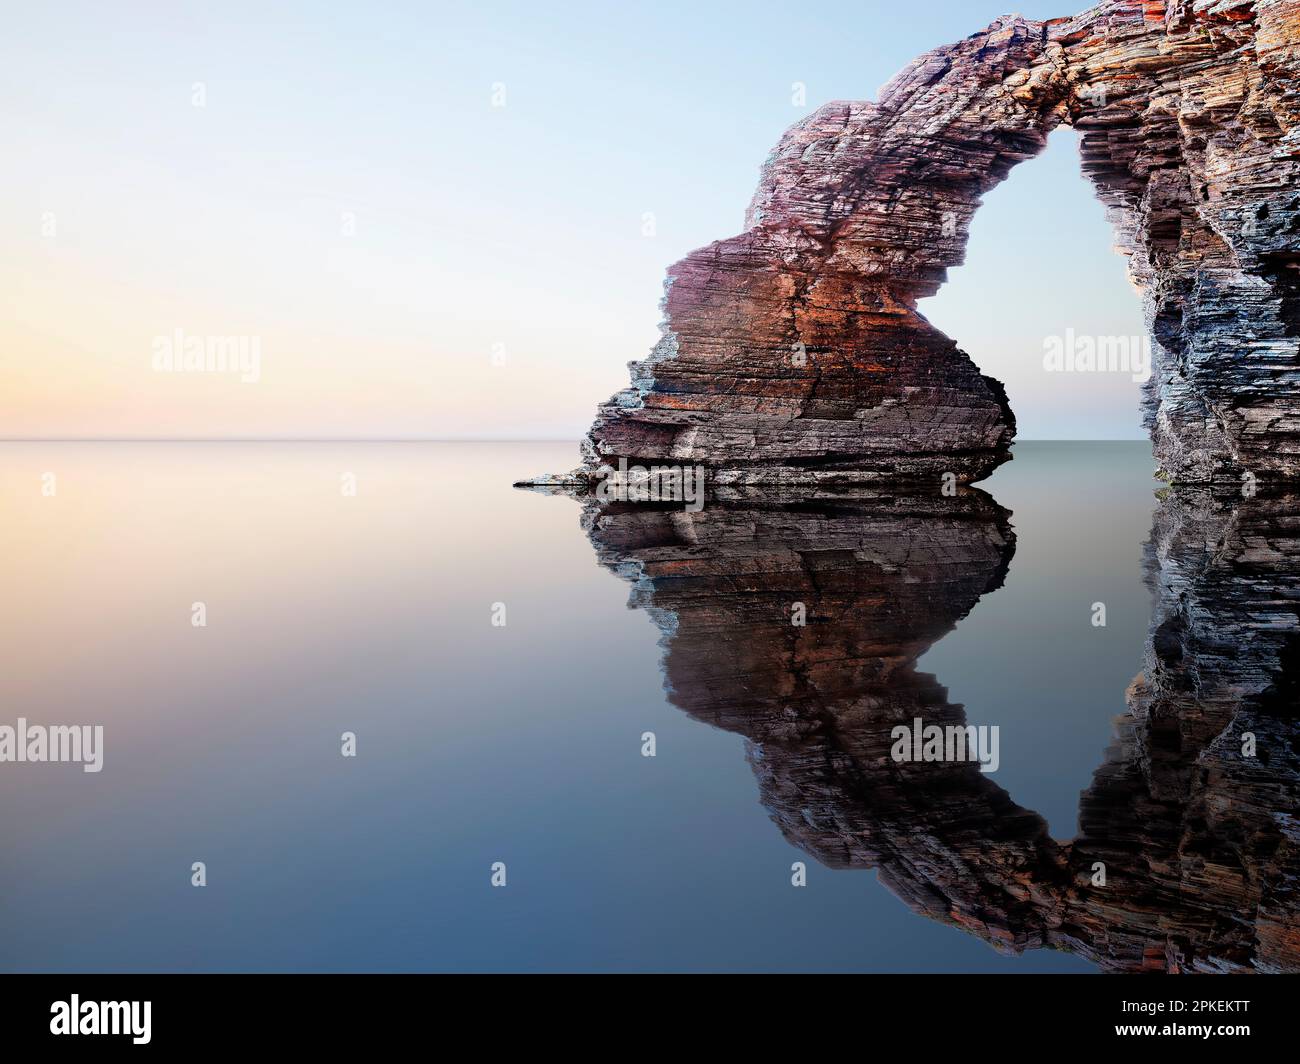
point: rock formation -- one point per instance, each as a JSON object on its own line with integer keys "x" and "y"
{"x": 794, "y": 353}
{"x": 795, "y": 366}
{"x": 1201, "y": 843}
{"x": 1207, "y": 830}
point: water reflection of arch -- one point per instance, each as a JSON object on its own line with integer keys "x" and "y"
{"x": 1198, "y": 841}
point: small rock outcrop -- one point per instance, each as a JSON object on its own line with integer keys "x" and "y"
{"x": 794, "y": 353}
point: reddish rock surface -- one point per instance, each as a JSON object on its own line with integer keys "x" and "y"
{"x": 795, "y": 353}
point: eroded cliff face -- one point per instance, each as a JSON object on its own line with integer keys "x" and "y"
{"x": 1200, "y": 841}
{"x": 794, "y": 352}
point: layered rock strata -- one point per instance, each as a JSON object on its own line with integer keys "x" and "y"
{"x": 1200, "y": 841}
{"x": 795, "y": 352}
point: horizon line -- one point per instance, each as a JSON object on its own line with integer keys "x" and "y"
{"x": 427, "y": 439}
{"x": 289, "y": 439}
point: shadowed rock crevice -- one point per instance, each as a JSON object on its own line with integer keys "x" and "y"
{"x": 794, "y": 353}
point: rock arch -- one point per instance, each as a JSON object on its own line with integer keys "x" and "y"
{"x": 794, "y": 353}
{"x": 1201, "y": 843}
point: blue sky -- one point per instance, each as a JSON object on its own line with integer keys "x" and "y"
{"x": 496, "y": 279}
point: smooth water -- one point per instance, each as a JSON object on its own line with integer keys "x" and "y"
{"x": 328, "y": 613}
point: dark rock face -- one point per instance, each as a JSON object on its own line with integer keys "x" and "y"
{"x": 1200, "y": 841}
{"x": 1177, "y": 800}
{"x": 794, "y": 353}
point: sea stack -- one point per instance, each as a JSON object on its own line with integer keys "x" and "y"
{"x": 795, "y": 353}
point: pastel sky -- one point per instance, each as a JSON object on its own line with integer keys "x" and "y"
{"x": 414, "y": 262}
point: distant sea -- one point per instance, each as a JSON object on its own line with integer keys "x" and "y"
{"x": 371, "y": 613}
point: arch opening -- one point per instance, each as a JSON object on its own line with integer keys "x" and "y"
{"x": 1042, "y": 280}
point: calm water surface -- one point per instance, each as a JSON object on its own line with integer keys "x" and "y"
{"x": 476, "y": 743}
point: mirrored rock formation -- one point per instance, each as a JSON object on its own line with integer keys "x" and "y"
{"x": 1200, "y": 842}
{"x": 1199, "y": 798}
